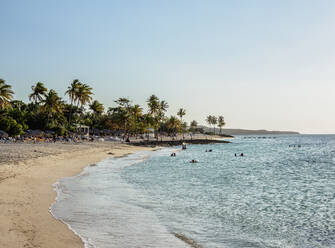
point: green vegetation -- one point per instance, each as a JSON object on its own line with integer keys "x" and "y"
{"x": 213, "y": 121}
{"x": 48, "y": 111}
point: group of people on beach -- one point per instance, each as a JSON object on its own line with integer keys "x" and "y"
{"x": 42, "y": 139}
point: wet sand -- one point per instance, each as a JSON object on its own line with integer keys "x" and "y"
{"x": 27, "y": 173}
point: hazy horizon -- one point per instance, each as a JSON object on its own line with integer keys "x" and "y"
{"x": 261, "y": 64}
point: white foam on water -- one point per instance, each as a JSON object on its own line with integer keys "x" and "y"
{"x": 97, "y": 206}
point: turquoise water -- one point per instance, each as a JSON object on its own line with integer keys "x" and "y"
{"x": 281, "y": 193}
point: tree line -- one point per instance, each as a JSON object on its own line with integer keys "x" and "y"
{"x": 46, "y": 110}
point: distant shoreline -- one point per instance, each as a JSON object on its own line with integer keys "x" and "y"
{"x": 167, "y": 143}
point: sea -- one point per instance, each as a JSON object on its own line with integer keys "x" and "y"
{"x": 279, "y": 194}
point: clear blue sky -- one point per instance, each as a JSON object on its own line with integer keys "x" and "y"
{"x": 261, "y": 64}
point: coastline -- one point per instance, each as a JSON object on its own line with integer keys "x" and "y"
{"x": 27, "y": 192}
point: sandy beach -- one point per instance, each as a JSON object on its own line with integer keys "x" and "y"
{"x": 27, "y": 173}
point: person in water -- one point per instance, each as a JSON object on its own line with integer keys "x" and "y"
{"x": 193, "y": 161}
{"x": 241, "y": 155}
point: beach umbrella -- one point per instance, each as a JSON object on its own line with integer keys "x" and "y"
{"x": 35, "y": 133}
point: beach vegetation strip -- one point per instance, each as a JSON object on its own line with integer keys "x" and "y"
{"x": 47, "y": 116}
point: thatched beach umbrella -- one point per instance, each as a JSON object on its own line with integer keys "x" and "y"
{"x": 34, "y": 133}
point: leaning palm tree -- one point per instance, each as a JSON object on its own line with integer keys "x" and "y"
{"x": 221, "y": 122}
{"x": 39, "y": 91}
{"x": 163, "y": 106}
{"x": 6, "y": 94}
{"x": 72, "y": 92}
{"x": 181, "y": 112}
{"x": 52, "y": 104}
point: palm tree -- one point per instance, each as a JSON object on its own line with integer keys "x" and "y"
{"x": 181, "y": 112}
{"x": 193, "y": 125}
{"x": 72, "y": 91}
{"x": 211, "y": 120}
{"x": 173, "y": 124}
{"x": 6, "y": 93}
{"x": 97, "y": 108}
{"x": 84, "y": 95}
{"x": 123, "y": 102}
{"x": 52, "y": 104}
{"x": 214, "y": 122}
{"x": 153, "y": 105}
{"x": 221, "y": 122}
{"x": 163, "y": 106}
{"x": 39, "y": 91}
{"x": 157, "y": 110}
{"x": 136, "y": 116}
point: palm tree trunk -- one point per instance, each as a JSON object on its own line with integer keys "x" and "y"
{"x": 70, "y": 117}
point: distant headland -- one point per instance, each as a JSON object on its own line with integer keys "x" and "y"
{"x": 228, "y": 131}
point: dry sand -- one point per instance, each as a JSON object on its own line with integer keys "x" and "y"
{"x": 27, "y": 173}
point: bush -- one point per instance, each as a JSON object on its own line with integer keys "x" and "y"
{"x": 61, "y": 131}
{"x": 16, "y": 130}
{"x": 9, "y": 125}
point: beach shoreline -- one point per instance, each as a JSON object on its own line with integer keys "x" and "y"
{"x": 27, "y": 192}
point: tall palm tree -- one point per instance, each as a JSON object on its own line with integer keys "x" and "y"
{"x": 84, "y": 95}
{"x": 221, "y": 122}
{"x": 6, "y": 93}
{"x": 72, "y": 92}
{"x": 214, "y": 122}
{"x": 211, "y": 120}
{"x": 39, "y": 91}
{"x": 52, "y": 104}
{"x": 153, "y": 104}
{"x": 163, "y": 106}
{"x": 155, "y": 109}
{"x": 181, "y": 112}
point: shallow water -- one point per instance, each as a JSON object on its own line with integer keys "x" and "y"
{"x": 276, "y": 195}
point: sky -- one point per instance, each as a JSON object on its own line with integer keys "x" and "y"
{"x": 261, "y": 64}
